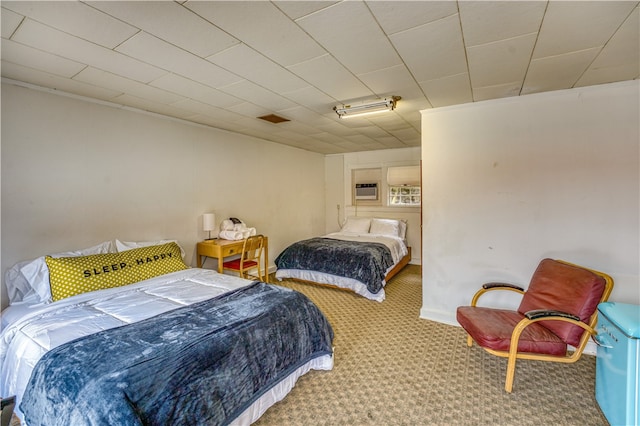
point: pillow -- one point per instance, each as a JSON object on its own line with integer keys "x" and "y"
{"x": 128, "y": 245}
{"x": 28, "y": 281}
{"x": 358, "y": 225}
{"x": 403, "y": 229}
{"x": 390, "y": 227}
{"x": 76, "y": 275}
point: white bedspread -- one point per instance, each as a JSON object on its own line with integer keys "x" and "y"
{"x": 30, "y": 331}
{"x": 396, "y": 246}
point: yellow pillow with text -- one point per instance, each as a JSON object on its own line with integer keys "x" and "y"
{"x": 69, "y": 276}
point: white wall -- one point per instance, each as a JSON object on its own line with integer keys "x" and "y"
{"x": 75, "y": 173}
{"x": 509, "y": 182}
{"x": 338, "y": 170}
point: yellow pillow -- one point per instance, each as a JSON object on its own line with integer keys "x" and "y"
{"x": 69, "y": 276}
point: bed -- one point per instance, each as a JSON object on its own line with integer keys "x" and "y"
{"x": 361, "y": 257}
{"x": 180, "y": 346}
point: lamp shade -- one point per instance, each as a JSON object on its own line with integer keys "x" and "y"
{"x": 209, "y": 221}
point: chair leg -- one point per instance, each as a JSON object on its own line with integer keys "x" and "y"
{"x": 511, "y": 372}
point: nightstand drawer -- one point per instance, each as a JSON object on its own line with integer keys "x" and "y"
{"x": 230, "y": 251}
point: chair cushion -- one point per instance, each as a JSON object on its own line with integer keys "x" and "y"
{"x": 492, "y": 328}
{"x": 235, "y": 264}
{"x": 566, "y": 288}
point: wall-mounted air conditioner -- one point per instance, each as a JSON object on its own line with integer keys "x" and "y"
{"x": 366, "y": 191}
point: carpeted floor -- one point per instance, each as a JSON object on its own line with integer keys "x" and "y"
{"x": 393, "y": 368}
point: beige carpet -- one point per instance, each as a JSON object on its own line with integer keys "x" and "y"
{"x": 393, "y": 368}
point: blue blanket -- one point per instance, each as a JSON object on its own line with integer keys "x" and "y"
{"x": 200, "y": 364}
{"x": 362, "y": 261}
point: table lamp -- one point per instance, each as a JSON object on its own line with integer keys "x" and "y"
{"x": 209, "y": 223}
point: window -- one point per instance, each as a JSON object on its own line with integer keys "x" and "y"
{"x": 406, "y": 195}
{"x": 404, "y": 186}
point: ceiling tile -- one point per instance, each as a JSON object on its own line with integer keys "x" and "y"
{"x": 206, "y": 109}
{"x": 295, "y": 128}
{"x": 409, "y": 110}
{"x": 58, "y": 43}
{"x": 251, "y": 65}
{"x": 557, "y": 72}
{"x": 105, "y": 79}
{"x": 208, "y": 120}
{"x": 359, "y": 44}
{"x": 394, "y": 81}
{"x": 191, "y": 89}
{"x": 311, "y": 98}
{"x": 39, "y": 60}
{"x": 497, "y": 91}
{"x": 620, "y": 58}
{"x": 172, "y": 23}
{"x": 163, "y": 55}
{"x": 396, "y": 16}
{"x": 250, "y": 110}
{"x": 329, "y": 76}
{"x": 489, "y": 21}
{"x": 449, "y": 90}
{"x": 362, "y": 140}
{"x": 260, "y": 96}
{"x": 389, "y": 122}
{"x": 335, "y": 127}
{"x": 76, "y": 18}
{"x": 505, "y": 60}
{"x": 39, "y": 78}
{"x": 433, "y": 50}
{"x": 329, "y": 138}
{"x": 304, "y": 115}
{"x": 271, "y": 31}
{"x": 408, "y": 134}
{"x": 570, "y": 26}
{"x": 393, "y": 142}
{"x": 151, "y": 106}
{"x": 10, "y": 22}
{"x": 374, "y": 132}
{"x": 297, "y": 9}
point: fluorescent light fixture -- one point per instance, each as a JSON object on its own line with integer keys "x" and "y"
{"x": 359, "y": 109}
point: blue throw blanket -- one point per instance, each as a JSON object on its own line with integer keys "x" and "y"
{"x": 200, "y": 364}
{"x": 362, "y": 261}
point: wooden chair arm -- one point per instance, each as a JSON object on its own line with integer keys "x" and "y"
{"x": 545, "y": 316}
{"x": 487, "y": 287}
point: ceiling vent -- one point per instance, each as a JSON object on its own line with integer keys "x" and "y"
{"x": 272, "y": 118}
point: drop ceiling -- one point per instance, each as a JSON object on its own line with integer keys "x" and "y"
{"x": 226, "y": 63}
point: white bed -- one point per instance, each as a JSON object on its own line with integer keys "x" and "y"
{"x": 30, "y": 329}
{"x": 389, "y": 232}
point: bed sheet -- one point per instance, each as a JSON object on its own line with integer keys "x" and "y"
{"x": 24, "y": 341}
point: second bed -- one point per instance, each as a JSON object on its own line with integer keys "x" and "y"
{"x": 361, "y": 257}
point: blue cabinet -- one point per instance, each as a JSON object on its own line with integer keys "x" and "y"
{"x": 618, "y": 362}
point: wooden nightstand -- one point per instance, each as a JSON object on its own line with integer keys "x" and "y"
{"x": 225, "y": 248}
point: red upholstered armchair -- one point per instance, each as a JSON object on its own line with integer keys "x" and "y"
{"x": 558, "y": 309}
